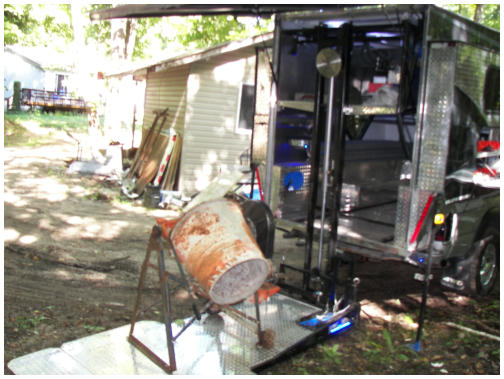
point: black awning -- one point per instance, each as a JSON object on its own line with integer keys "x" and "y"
{"x": 159, "y": 10}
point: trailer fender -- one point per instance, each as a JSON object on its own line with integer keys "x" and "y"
{"x": 476, "y": 274}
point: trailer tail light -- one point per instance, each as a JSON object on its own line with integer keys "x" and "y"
{"x": 422, "y": 219}
{"x": 488, "y": 145}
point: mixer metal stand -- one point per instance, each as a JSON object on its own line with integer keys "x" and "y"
{"x": 265, "y": 337}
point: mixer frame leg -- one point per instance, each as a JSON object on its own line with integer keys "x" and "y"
{"x": 155, "y": 244}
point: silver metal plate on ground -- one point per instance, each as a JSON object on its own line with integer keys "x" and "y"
{"x": 215, "y": 345}
{"x": 52, "y": 361}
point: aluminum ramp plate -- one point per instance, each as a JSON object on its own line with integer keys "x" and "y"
{"x": 215, "y": 345}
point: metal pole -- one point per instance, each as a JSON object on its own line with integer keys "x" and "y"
{"x": 417, "y": 346}
{"x": 166, "y": 309}
{"x": 339, "y": 142}
{"x": 251, "y": 156}
{"x": 270, "y": 149}
{"x": 327, "y": 153}
{"x": 314, "y": 174}
{"x": 258, "y": 314}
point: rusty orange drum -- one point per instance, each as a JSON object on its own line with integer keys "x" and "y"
{"x": 215, "y": 245}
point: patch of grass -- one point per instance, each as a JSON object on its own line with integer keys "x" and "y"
{"x": 57, "y": 172}
{"x": 58, "y": 120}
{"x": 93, "y": 328}
{"x": 16, "y": 134}
{"x": 489, "y": 311}
{"x": 303, "y": 371}
{"x": 120, "y": 199}
{"x": 28, "y": 323}
{"x": 388, "y": 340}
{"x": 332, "y": 353}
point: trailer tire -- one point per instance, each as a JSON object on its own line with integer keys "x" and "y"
{"x": 485, "y": 265}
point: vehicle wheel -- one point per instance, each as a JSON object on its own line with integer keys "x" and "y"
{"x": 485, "y": 265}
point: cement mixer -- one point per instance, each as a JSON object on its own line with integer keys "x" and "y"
{"x": 216, "y": 246}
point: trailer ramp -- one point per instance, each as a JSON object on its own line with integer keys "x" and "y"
{"x": 215, "y": 345}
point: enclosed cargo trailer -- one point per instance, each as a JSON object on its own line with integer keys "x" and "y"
{"x": 380, "y": 139}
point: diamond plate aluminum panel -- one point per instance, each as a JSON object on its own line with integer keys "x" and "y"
{"x": 215, "y": 345}
{"x": 401, "y": 222}
{"x": 280, "y": 314}
{"x": 52, "y": 361}
{"x": 472, "y": 65}
{"x": 436, "y": 124}
{"x": 110, "y": 353}
{"x": 418, "y": 200}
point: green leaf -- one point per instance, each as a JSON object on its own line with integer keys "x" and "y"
{"x": 408, "y": 319}
{"x": 402, "y": 357}
{"x": 388, "y": 340}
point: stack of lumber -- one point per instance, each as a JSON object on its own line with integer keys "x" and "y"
{"x": 157, "y": 159}
{"x": 170, "y": 174}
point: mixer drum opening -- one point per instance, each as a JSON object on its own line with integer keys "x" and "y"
{"x": 239, "y": 282}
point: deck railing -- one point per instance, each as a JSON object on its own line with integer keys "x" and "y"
{"x": 51, "y": 100}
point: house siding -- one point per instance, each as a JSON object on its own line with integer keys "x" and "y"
{"x": 211, "y": 143}
{"x": 17, "y": 68}
{"x": 166, "y": 89}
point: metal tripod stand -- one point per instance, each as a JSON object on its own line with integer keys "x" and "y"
{"x": 265, "y": 337}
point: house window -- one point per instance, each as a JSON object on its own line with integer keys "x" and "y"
{"x": 245, "y": 119}
{"x": 491, "y": 93}
{"x": 61, "y": 84}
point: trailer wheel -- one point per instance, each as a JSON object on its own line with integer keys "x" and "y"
{"x": 485, "y": 265}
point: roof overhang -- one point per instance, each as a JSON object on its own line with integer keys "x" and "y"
{"x": 160, "y": 10}
{"x": 140, "y": 72}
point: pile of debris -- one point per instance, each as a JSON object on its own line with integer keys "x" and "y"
{"x": 152, "y": 172}
{"x": 152, "y": 169}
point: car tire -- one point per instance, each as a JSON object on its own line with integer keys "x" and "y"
{"x": 485, "y": 265}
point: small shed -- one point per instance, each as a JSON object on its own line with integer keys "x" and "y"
{"x": 210, "y": 98}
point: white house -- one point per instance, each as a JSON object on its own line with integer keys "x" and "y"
{"x": 18, "y": 67}
{"x": 34, "y": 68}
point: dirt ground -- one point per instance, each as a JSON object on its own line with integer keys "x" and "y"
{"x": 72, "y": 256}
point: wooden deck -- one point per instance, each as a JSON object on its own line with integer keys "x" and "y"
{"x": 52, "y": 101}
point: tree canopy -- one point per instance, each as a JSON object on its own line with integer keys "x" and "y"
{"x": 486, "y": 14}
{"x": 37, "y": 24}
{"x": 59, "y": 26}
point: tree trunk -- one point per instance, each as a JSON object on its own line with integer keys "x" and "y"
{"x": 78, "y": 28}
{"x": 129, "y": 42}
{"x": 16, "y": 100}
{"x": 118, "y": 36}
{"x": 478, "y": 13}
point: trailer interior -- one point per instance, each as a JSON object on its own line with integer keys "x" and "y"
{"x": 379, "y": 123}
